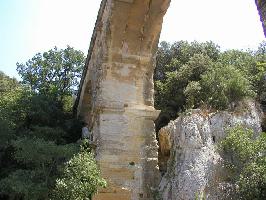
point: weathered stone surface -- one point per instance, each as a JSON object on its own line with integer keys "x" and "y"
{"x": 116, "y": 98}
{"x": 261, "y": 5}
{"x": 194, "y": 166}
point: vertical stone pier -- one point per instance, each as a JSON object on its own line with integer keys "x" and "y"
{"x": 116, "y": 97}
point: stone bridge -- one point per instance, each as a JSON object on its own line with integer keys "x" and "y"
{"x": 116, "y": 95}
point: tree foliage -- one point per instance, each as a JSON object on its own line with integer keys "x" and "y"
{"x": 37, "y": 130}
{"x": 222, "y": 85}
{"x": 81, "y": 178}
{"x": 190, "y": 75}
{"x": 7, "y": 83}
{"x": 40, "y": 163}
{"x": 248, "y": 162}
{"x": 56, "y": 72}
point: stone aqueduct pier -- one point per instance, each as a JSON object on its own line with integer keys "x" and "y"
{"x": 116, "y": 95}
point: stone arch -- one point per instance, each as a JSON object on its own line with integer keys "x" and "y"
{"x": 119, "y": 77}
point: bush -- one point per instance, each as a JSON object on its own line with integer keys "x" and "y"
{"x": 80, "y": 180}
{"x": 222, "y": 85}
{"x": 248, "y": 162}
{"x": 38, "y": 164}
{"x": 192, "y": 93}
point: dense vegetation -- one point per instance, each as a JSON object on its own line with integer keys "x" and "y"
{"x": 191, "y": 75}
{"x": 246, "y": 162}
{"x": 39, "y": 155}
{"x": 38, "y": 133}
{"x": 80, "y": 177}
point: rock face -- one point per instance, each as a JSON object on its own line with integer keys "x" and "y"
{"x": 194, "y": 166}
{"x": 116, "y": 97}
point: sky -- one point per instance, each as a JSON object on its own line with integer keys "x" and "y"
{"x": 31, "y": 26}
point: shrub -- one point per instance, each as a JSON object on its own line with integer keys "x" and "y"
{"x": 248, "y": 162}
{"x": 222, "y": 85}
{"x": 81, "y": 178}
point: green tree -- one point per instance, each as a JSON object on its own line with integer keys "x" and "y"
{"x": 38, "y": 163}
{"x": 53, "y": 73}
{"x": 81, "y": 178}
{"x": 247, "y": 162}
{"x": 189, "y": 75}
{"x": 170, "y": 57}
{"x": 223, "y": 85}
{"x": 7, "y": 83}
{"x": 38, "y": 132}
{"x": 11, "y": 92}
{"x": 260, "y": 76}
{"x": 177, "y": 65}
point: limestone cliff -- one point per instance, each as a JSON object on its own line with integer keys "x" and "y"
{"x": 194, "y": 166}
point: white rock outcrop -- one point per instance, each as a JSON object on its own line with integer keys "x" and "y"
{"x": 194, "y": 167}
